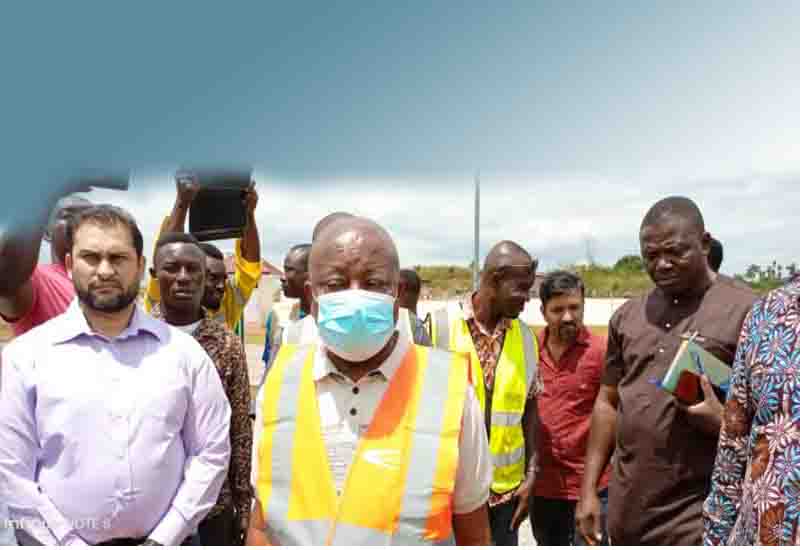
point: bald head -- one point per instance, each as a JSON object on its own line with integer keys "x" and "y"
{"x": 328, "y": 220}
{"x": 352, "y": 253}
{"x": 58, "y": 225}
{"x": 675, "y": 247}
{"x": 675, "y": 209}
{"x": 350, "y": 234}
{"x": 506, "y": 254}
{"x": 506, "y": 280}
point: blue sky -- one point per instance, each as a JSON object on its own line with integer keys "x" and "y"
{"x": 578, "y": 114}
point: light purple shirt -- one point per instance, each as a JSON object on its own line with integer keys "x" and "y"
{"x": 103, "y": 439}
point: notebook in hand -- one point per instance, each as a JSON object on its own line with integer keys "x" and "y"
{"x": 692, "y": 361}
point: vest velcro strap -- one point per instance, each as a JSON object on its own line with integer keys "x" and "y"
{"x": 530, "y": 353}
{"x": 442, "y": 321}
{"x": 516, "y": 456}
{"x": 506, "y": 419}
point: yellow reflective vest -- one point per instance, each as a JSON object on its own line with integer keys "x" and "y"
{"x": 399, "y": 487}
{"x": 516, "y": 372}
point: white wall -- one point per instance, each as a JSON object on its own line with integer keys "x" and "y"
{"x": 597, "y": 312}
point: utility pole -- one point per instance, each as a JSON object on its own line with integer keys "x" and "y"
{"x": 476, "y": 261}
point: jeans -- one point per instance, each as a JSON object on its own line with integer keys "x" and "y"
{"x": 500, "y": 524}
{"x": 553, "y": 521}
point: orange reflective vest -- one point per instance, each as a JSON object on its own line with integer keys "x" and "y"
{"x": 399, "y": 487}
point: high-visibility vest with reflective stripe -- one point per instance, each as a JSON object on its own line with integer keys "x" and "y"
{"x": 514, "y": 375}
{"x": 399, "y": 487}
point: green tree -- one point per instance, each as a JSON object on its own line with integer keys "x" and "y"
{"x": 753, "y": 272}
{"x": 632, "y": 263}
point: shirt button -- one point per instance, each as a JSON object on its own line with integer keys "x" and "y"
{"x": 353, "y": 411}
{"x": 355, "y": 390}
{"x": 660, "y": 350}
{"x": 668, "y": 325}
{"x": 675, "y": 301}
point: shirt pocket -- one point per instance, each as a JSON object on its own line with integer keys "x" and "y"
{"x": 585, "y": 385}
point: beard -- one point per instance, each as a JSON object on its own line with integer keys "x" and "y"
{"x": 107, "y": 304}
{"x": 568, "y": 332}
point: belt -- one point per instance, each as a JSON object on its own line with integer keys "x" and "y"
{"x": 122, "y": 542}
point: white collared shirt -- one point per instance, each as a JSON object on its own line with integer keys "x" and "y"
{"x": 110, "y": 438}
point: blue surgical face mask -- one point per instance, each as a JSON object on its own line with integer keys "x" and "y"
{"x": 355, "y": 324}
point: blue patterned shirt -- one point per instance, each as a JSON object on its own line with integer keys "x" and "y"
{"x": 755, "y": 492}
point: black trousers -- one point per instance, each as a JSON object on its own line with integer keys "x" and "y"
{"x": 220, "y": 530}
{"x": 553, "y": 521}
{"x": 500, "y": 524}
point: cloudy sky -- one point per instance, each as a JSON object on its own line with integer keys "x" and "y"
{"x": 578, "y": 115}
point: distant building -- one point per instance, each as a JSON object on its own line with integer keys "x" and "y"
{"x": 264, "y": 296}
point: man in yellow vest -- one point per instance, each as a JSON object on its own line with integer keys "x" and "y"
{"x": 504, "y": 372}
{"x": 410, "y": 285}
{"x": 224, "y": 299}
{"x": 367, "y": 439}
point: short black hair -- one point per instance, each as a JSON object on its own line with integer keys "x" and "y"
{"x": 559, "y": 283}
{"x": 176, "y": 237}
{"x": 679, "y": 207}
{"x": 212, "y": 251}
{"x": 715, "y": 255}
{"x": 411, "y": 279}
{"x": 106, "y": 215}
{"x": 304, "y": 251}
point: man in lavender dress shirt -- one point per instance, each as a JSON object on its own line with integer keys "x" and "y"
{"x": 113, "y": 425}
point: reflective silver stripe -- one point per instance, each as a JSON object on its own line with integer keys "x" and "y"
{"x": 352, "y": 535}
{"x": 404, "y": 326}
{"x": 293, "y": 332}
{"x": 277, "y": 508}
{"x": 309, "y": 532}
{"x": 507, "y": 459}
{"x": 506, "y": 419}
{"x": 442, "y": 321}
{"x": 416, "y": 506}
{"x": 529, "y": 354}
{"x": 410, "y": 533}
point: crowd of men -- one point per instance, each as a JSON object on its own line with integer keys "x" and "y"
{"x": 123, "y": 424}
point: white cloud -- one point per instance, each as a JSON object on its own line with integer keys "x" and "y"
{"x": 556, "y": 217}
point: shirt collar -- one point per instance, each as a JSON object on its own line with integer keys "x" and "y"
{"x": 324, "y": 367}
{"x": 74, "y": 324}
{"x": 468, "y": 309}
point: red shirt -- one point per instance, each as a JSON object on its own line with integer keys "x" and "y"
{"x": 52, "y": 293}
{"x": 565, "y": 411}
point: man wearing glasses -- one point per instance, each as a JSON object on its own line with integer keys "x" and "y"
{"x": 504, "y": 372}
